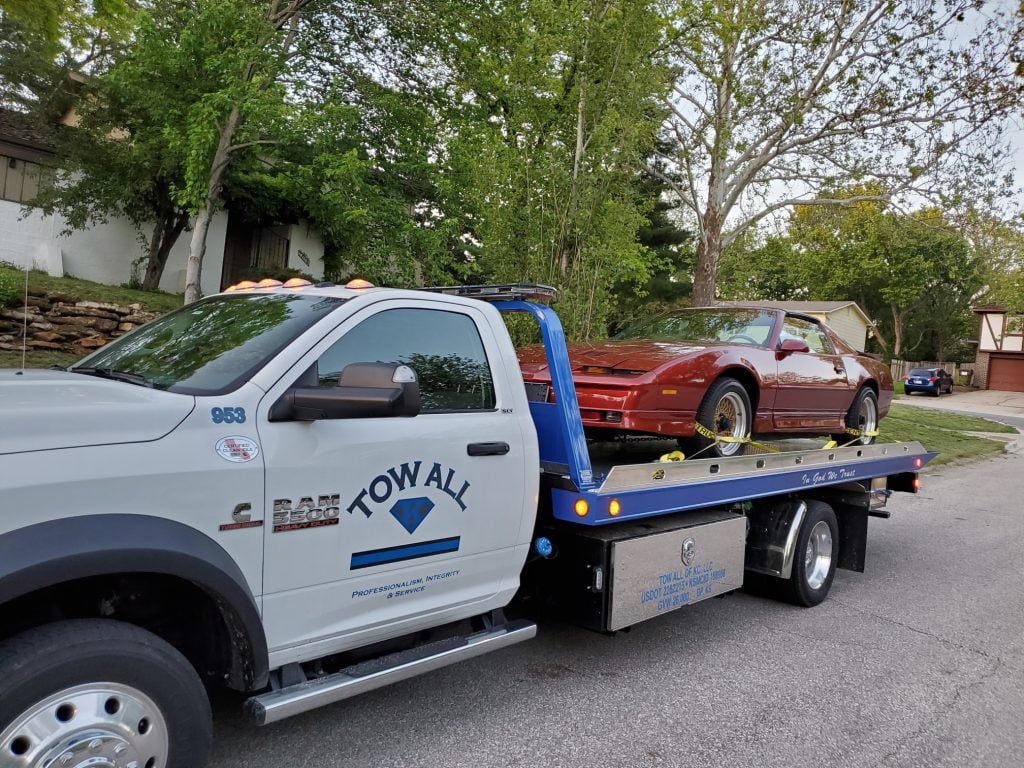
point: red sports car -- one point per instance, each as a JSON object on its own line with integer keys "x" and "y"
{"x": 735, "y": 371}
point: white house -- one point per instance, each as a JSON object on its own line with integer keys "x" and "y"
{"x": 109, "y": 253}
{"x": 846, "y": 318}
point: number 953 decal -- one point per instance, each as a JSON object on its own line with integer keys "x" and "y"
{"x": 228, "y": 415}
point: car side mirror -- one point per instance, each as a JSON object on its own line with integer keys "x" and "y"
{"x": 364, "y": 391}
{"x": 789, "y": 346}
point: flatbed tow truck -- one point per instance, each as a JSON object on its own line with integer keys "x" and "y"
{"x": 240, "y": 494}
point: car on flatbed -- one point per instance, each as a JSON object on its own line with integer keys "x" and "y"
{"x": 708, "y": 373}
{"x": 304, "y": 492}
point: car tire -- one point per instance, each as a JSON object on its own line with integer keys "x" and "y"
{"x": 814, "y": 562}
{"x": 863, "y": 413}
{"x": 100, "y": 691}
{"x": 725, "y": 395}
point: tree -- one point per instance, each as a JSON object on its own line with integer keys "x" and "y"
{"x": 900, "y": 268}
{"x": 547, "y": 112}
{"x": 231, "y": 57}
{"x": 118, "y": 162}
{"x": 775, "y": 100}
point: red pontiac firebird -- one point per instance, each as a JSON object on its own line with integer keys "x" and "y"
{"x": 736, "y": 371}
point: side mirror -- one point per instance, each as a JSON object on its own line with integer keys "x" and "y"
{"x": 789, "y": 346}
{"x": 364, "y": 391}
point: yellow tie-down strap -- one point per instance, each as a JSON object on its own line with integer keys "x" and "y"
{"x": 855, "y": 433}
{"x": 705, "y": 432}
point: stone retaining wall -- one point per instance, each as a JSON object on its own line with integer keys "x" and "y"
{"x": 58, "y": 322}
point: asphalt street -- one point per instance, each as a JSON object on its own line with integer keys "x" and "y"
{"x": 918, "y": 662}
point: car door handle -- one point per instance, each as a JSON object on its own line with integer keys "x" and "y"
{"x": 838, "y": 369}
{"x": 487, "y": 449}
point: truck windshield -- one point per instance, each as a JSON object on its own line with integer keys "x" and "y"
{"x": 213, "y": 346}
{"x": 738, "y": 326}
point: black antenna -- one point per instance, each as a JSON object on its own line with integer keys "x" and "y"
{"x": 24, "y": 323}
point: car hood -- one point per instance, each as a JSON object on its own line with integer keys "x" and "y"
{"x": 43, "y": 410}
{"x": 638, "y": 356}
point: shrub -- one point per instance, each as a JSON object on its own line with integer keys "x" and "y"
{"x": 12, "y": 286}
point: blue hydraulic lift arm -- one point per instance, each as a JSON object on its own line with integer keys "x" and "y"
{"x": 559, "y": 424}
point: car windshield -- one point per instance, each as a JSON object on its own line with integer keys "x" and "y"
{"x": 921, "y": 372}
{"x": 737, "y": 326}
{"x": 213, "y": 346}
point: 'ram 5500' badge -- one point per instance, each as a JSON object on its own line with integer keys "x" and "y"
{"x": 308, "y": 512}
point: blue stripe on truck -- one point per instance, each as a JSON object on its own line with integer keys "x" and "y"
{"x": 406, "y": 552}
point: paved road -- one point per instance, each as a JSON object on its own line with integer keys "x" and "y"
{"x": 919, "y": 662}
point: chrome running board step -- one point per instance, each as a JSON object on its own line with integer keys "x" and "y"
{"x": 276, "y": 705}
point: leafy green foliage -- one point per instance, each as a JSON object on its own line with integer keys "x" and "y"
{"x": 551, "y": 107}
{"x": 12, "y": 286}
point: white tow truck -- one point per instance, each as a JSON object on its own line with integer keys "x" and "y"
{"x": 304, "y": 492}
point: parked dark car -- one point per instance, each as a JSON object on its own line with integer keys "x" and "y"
{"x": 934, "y": 381}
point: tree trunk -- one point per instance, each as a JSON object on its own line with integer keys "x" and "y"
{"x": 165, "y": 235}
{"x": 197, "y": 247}
{"x": 897, "y": 332}
{"x": 709, "y": 249}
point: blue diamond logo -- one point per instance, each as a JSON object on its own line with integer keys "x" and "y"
{"x": 411, "y": 512}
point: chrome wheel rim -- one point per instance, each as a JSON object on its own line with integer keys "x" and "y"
{"x": 97, "y": 725}
{"x": 867, "y": 419}
{"x": 730, "y": 420}
{"x": 818, "y": 557}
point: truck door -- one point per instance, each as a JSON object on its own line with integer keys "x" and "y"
{"x": 813, "y": 388}
{"x": 375, "y": 523}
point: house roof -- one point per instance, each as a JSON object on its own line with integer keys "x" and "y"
{"x": 989, "y": 309}
{"x": 19, "y": 129}
{"x": 807, "y": 307}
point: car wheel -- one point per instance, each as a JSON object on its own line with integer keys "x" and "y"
{"x": 863, "y": 417}
{"x": 726, "y": 412}
{"x": 814, "y": 562}
{"x": 100, "y": 693}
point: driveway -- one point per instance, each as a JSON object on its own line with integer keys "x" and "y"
{"x": 917, "y": 663}
{"x": 1002, "y": 406}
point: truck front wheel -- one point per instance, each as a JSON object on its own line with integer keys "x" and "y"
{"x": 96, "y": 692}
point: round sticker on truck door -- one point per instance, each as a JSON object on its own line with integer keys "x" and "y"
{"x": 237, "y": 449}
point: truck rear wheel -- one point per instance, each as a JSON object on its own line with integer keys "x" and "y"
{"x": 102, "y": 694}
{"x": 814, "y": 562}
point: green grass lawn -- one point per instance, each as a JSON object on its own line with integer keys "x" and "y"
{"x": 85, "y": 290}
{"x": 943, "y": 432}
{"x": 36, "y": 358}
{"x": 897, "y": 387}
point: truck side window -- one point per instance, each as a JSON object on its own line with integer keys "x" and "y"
{"x": 444, "y": 348}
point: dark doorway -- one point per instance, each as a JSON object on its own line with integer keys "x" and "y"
{"x": 251, "y": 249}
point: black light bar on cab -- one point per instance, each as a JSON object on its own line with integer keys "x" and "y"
{"x": 505, "y": 291}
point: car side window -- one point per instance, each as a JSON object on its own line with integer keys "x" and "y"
{"x": 809, "y": 333}
{"x": 443, "y": 348}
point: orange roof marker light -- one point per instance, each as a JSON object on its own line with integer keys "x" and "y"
{"x": 269, "y": 282}
{"x": 296, "y": 282}
{"x": 231, "y": 288}
{"x": 246, "y": 285}
{"x": 581, "y": 507}
{"x": 358, "y": 284}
